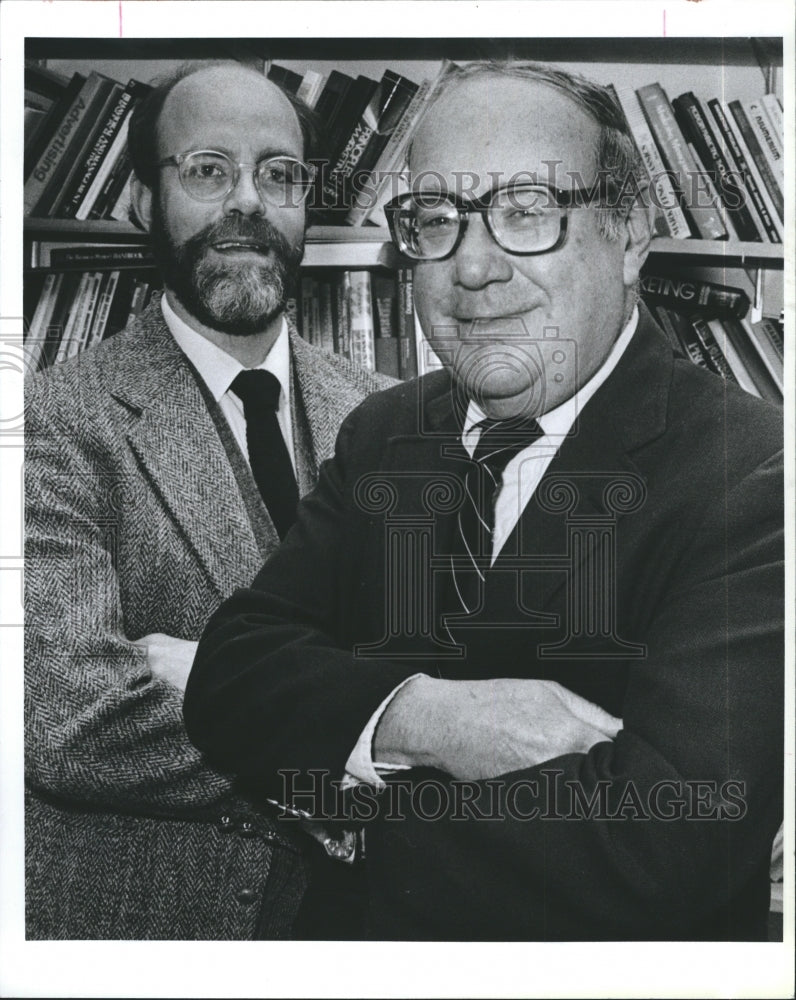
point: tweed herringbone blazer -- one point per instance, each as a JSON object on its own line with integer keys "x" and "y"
{"x": 138, "y": 520}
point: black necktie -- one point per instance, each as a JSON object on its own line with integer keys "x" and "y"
{"x": 268, "y": 455}
{"x": 500, "y": 441}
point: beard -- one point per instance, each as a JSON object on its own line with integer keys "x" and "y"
{"x": 239, "y": 298}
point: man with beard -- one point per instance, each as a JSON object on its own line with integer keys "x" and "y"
{"x": 162, "y": 468}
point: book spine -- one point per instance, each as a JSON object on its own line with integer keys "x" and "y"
{"x": 361, "y": 311}
{"x": 99, "y": 151}
{"x": 739, "y": 370}
{"x": 83, "y": 329}
{"x": 767, "y": 138}
{"x": 139, "y": 299}
{"x": 407, "y": 344}
{"x": 310, "y": 88}
{"x": 711, "y": 348}
{"x": 120, "y": 210}
{"x": 688, "y": 339}
{"x": 774, "y": 112}
{"x": 662, "y": 193}
{"x": 758, "y": 158}
{"x": 368, "y": 197}
{"x": 695, "y": 127}
{"x": 35, "y": 145}
{"x": 306, "y": 322}
{"x": 56, "y": 151}
{"x": 730, "y": 138}
{"x": 765, "y": 349}
{"x": 343, "y": 311}
{"x": 95, "y": 93}
{"x": 675, "y": 153}
{"x": 385, "y": 297}
{"x": 103, "y": 308}
{"x": 107, "y": 257}
{"x": 684, "y": 293}
{"x": 76, "y": 311}
{"x": 325, "y": 316}
{"x": 115, "y": 183}
{"x": 37, "y": 331}
{"x": 106, "y": 168}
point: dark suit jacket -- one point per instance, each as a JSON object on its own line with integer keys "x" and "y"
{"x": 692, "y": 661}
{"x": 140, "y": 518}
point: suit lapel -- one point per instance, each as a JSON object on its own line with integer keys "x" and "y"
{"x": 593, "y": 477}
{"x": 179, "y": 449}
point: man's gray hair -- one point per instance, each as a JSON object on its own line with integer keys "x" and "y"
{"x": 618, "y": 161}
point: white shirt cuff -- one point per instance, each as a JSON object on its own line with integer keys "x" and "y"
{"x": 360, "y": 766}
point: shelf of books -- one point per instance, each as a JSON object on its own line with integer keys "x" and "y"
{"x": 702, "y": 109}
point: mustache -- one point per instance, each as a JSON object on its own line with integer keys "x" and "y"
{"x": 230, "y": 228}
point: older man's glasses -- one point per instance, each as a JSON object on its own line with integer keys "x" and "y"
{"x": 523, "y": 219}
{"x": 209, "y": 175}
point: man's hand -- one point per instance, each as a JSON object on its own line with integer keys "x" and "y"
{"x": 169, "y": 658}
{"x": 479, "y": 729}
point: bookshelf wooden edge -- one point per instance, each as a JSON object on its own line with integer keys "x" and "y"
{"x": 370, "y": 245}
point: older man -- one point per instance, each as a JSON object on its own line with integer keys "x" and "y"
{"x": 161, "y": 469}
{"x": 599, "y": 533}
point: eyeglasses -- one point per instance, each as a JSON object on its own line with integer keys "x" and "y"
{"x": 209, "y": 175}
{"x": 523, "y": 219}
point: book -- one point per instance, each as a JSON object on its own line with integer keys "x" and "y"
{"x": 119, "y": 309}
{"x": 285, "y": 78}
{"x": 107, "y": 291}
{"x": 368, "y": 205}
{"x": 407, "y": 341}
{"x": 759, "y": 160}
{"x": 48, "y": 83}
{"x": 46, "y": 178}
{"x": 669, "y": 217}
{"x": 341, "y": 128}
{"x": 74, "y": 318}
{"x": 362, "y": 348}
{"x": 686, "y": 175}
{"x": 380, "y": 119}
{"x": 711, "y": 348}
{"x": 697, "y": 131}
{"x": 774, "y": 112}
{"x": 36, "y": 144}
{"x": 116, "y": 151}
{"x": 85, "y": 159}
{"x": 325, "y": 315}
{"x": 768, "y": 137}
{"x": 36, "y": 335}
{"x": 759, "y": 336}
{"x": 681, "y": 333}
{"x": 116, "y": 123}
{"x": 342, "y": 296}
{"x": 733, "y": 359}
{"x": 385, "y": 297}
{"x": 310, "y": 88}
{"x": 79, "y": 256}
{"x": 117, "y": 180}
{"x": 687, "y": 294}
{"x": 728, "y": 142}
{"x": 755, "y": 366}
{"x": 332, "y": 97}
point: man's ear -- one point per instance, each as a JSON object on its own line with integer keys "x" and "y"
{"x": 141, "y": 203}
{"x": 638, "y": 234}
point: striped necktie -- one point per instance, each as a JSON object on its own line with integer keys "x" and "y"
{"x": 500, "y": 441}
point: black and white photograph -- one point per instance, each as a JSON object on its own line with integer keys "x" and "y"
{"x": 398, "y": 478}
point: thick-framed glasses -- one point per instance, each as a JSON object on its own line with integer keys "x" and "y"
{"x": 523, "y": 219}
{"x": 209, "y": 175}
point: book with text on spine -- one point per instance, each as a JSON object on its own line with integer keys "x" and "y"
{"x": 687, "y": 176}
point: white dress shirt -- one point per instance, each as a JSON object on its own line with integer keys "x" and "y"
{"x": 219, "y": 370}
{"x": 520, "y": 478}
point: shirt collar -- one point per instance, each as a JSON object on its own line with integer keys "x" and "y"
{"x": 219, "y": 369}
{"x": 558, "y": 421}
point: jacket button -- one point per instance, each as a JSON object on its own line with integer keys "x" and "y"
{"x": 247, "y": 896}
{"x": 247, "y": 829}
{"x": 226, "y": 823}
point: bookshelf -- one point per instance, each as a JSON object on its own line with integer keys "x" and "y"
{"x": 735, "y": 68}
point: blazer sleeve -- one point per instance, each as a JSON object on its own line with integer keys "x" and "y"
{"x": 101, "y": 730}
